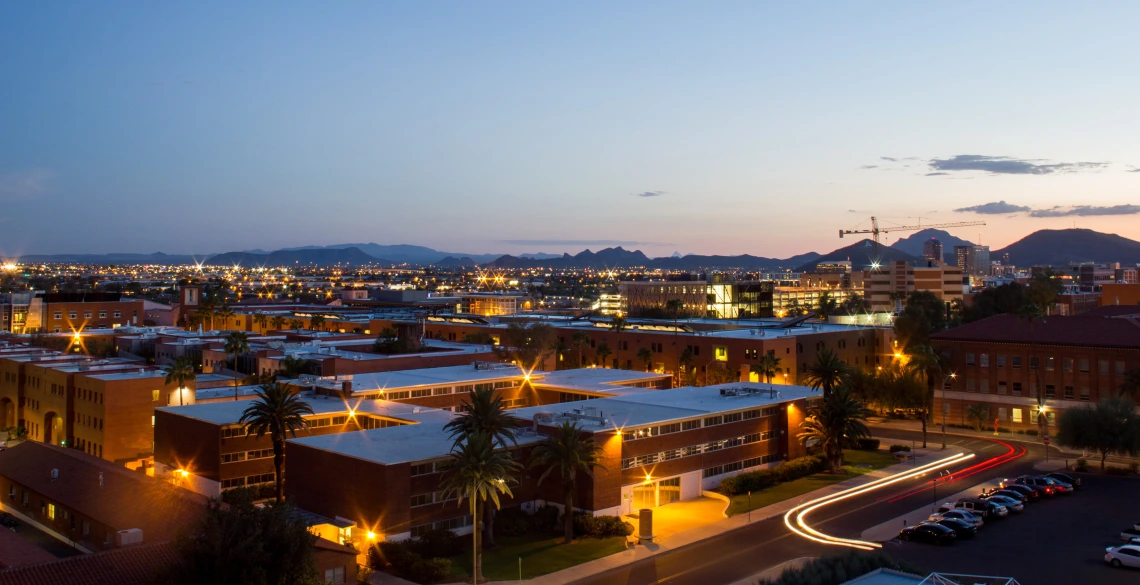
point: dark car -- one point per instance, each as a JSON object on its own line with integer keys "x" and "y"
{"x": 1045, "y": 486}
{"x": 960, "y": 527}
{"x": 1065, "y": 478}
{"x": 932, "y": 533}
{"x": 1029, "y": 491}
{"x": 1015, "y": 494}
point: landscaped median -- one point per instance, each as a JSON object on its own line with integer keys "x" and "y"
{"x": 798, "y": 477}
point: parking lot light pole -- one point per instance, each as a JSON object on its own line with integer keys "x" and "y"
{"x": 950, "y": 377}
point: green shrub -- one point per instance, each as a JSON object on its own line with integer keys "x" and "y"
{"x": 403, "y": 558}
{"x": 866, "y": 444}
{"x": 1116, "y": 470}
{"x": 600, "y": 526}
{"x": 436, "y": 543}
{"x": 753, "y": 481}
{"x": 1021, "y": 431}
{"x": 833, "y": 570}
{"x": 1031, "y": 432}
{"x": 898, "y": 448}
{"x": 515, "y": 521}
{"x": 431, "y": 570}
{"x": 1081, "y": 465}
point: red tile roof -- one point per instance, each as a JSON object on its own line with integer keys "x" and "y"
{"x": 136, "y": 565}
{"x": 1080, "y": 330}
{"x": 15, "y": 551}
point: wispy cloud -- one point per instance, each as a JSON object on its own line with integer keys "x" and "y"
{"x": 868, "y": 167}
{"x": 1005, "y": 165}
{"x": 938, "y": 174}
{"x": 651, "y": 194}
{"x": 1086, "y": 210}
{"x": 994, "y": 208}
{"x": 583, "y": 243}
{"x": 25, "y": 184}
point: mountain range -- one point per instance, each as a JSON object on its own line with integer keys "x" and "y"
{"x": 1043, "y": 247}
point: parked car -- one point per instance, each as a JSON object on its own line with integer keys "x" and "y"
{"x": 979, "y": 507}
{"x": 1030, "y": 492}
{"x": 1046, "y": 486}
{"x": 1129, "y": 533}
{"x": 964, "y": 515}
{"x": 928, "y": 532}
{"x": 1011, "y": 494}
{"x": 1011, "y": 504}
{"x": 963, "y": 528}
{"x": 1127, "y": 555}
{"x": 1066, "y": 478}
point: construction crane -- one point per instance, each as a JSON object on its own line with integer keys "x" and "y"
{"x": 876, "y": 230}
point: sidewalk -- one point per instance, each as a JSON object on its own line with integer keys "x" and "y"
{"x": 682, "y": 539}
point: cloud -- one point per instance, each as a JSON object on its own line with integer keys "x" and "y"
{"x": 868, "y": 167}
{"x": 1005, "y": 165}
{"x": 1134, "y": 170}
{"x": 938, "y": 174}
{"x": 25, "y": 184}
{"x": 651, "y": 194}
{"x": 994, "y": 208}
{"x": 1086, "y": 210}
{"x": 583, "y": 243}
{"x": 888, "y": 159}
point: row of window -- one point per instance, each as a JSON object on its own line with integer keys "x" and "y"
{"x": 50, "y": 511}
{"x": 88, "y": 447}
{"x": 1015, "y": 389}
{"x": 689, "y": 425}
{"x": 86, "y": 315}
{"x": 247, "y": 455}
{"x": 247, "y": 480}
{"x": 449, "y": 524}
{"x": 738, "y": 465}
{"x": 89, "y": 395}
{"x": 691, "y": 450}
{"x": 1050, "y": 363}
{"x": 87, "y": 420}
{"x": 432, "y": 498}
{"x": 1015, "y": 415}
{"x": 327, "y": 421}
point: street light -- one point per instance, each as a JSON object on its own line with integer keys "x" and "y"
{"x": 950, "y": 377}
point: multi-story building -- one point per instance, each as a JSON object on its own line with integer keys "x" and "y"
{"x": 886, "y": 288}
{"x": 699, "y": 298}
{"x": 973, "y": 260}
{"x": 1020, "y": 369}
{"x": 658, "y": 447}
{"x": 932, "y": 252}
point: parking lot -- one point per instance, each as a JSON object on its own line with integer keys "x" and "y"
{"x": 1057, "y": 540}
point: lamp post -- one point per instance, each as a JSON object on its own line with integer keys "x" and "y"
{"x": 950, "y": 377}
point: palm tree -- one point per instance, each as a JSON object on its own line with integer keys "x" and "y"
{"x": 277, "y": 322}
{"x": 237, "y": 343}
{"x": 1130, "y": 386}
{"x": 618, "y": 324}
{"x": 567, "y": 452}
{"x": 478, "y": 472}
{"x": 602, "y": 353}
{"x": 646, "y": 356}
{"x": 685, "y": 365}
{"x": 276, "y": 411}
{"x": 837, "y": 418}
{"x": 929, "y": 364}
{"x": 292, "y": 366}
{"x": 580, "y": 341}
{"x": 317, "y": 322}
{"x": 295, "y": 324}
{"x": 769, "y": 365}
{"x": 207, "y": 310}
{"x": 828, "y": 372}
{"x": 180, "y": 372}
{"x": 484, "y": 412}
{"x": 226, "y": 313}
{"x": 261, "y": 320}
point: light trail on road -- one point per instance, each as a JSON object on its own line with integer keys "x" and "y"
{"x": 801, "y": 528}
{"x": 1013, "y": 452}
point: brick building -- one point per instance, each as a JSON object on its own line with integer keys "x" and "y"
{"x": 1008, "y": 363}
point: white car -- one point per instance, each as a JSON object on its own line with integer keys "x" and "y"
{"x": 959, "y": 514}
{"x": 1010, "y": 503}
{"x": 1123, "y": 556}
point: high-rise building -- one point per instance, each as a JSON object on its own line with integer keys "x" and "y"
{"x": 885, "y": 289}
{"x": 932, "y": 251}
{"x": 973, "y": 260}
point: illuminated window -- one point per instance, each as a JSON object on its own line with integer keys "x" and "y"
{"x": 154, "y": 395}
{"x": 721, "y": 353}
{"x": 51, "y": 511}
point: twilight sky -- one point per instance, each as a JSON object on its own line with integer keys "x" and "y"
{"x": 481, "y": 127}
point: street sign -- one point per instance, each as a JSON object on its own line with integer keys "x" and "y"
{"x": 1045, "y": 439}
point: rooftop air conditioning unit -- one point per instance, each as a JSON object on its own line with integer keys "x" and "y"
{"x": 128, "y": 537}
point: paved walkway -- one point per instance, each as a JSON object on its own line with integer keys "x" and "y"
{"x": 683, "y": 516}
{"x": 681, "y": 539}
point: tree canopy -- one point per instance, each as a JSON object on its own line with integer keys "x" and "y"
{"x": 1109, "y": 427}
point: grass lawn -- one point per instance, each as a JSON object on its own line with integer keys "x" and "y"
{"x": 854, "y": 463}
{"x": 539, "y": 556}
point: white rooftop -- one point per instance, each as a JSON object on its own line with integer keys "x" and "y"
{"x": 604, "y": 380}
{"x": 427, "y": 377}
{"x": 229, "y": 412}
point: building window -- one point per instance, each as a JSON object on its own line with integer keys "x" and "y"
{"x": 1067, "y": 365}
{"x": 1083, "y": 365}
{"x": 1017, "y": 415}
{"x": 970, "y": 385}
{"x": 1050, "y": 391}
{"x": 102, "y": 314}
{"x": 57, "y": 315}
{"x": 969, "y": 359}
{"x": 1033, "y": 361}
{"x": 985, "y": 386}
{"x": 1119, "y": 366}
{"x": 1002, "y": 389}
{"x": 73, "y": 315}
{"x": 689, "y": 425}
{"x": 1050, "y": 364}
{"x": 1069, "y": 393}
{"x": 1001, "y": 414}
{"x": 1102, "y": 367}
{"x": 335, "y": 575}
{"x": 1001, "y": 361}
{"x": 1084, "y": 393}
{"x": 721, "y": 353}
{"x": 155, "y": 395}
{"x": 51, "y": 511}
{"x": 118, "y": 314}
{"x": 441, "y": 391}
{"x": 1015, "y": 362}
{"x": 984, "y": 360}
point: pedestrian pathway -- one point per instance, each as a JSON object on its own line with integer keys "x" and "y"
{"x": 682, "y": 539}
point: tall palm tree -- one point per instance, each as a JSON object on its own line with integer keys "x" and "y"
{"x": 277, "y": 322}
{"x": 567, "y": 452}
{"x": 484, "y": 412}
{"x": 260, "y": 320}
{"x": 602, "y": 353}
{"x": 295, "y": 324}
{"x": 1130, "y": 385}
{"x": 478, "y": 472}
{"x": 276, "y": 411}
{"x": 646, "y": 356}
{"x": 836, "y": 418}
{"x": 207, "y": 309}
{"x": 225, "y": 313}
{"x": 828, "y": 372}
{"x": 929, "y": 364}
{"x": 180, "y": 372}
{"x": 768, "y": 364}
{"x": 618, "y": 324}
{"x": 317, "y": 322}
{"x": 237, "y": 343}
{"x": 580, "y": 341}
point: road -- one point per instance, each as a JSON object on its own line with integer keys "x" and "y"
{"x": 749, "y": 550}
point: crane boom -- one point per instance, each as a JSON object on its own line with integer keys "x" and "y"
{"x": 876, "y": 230}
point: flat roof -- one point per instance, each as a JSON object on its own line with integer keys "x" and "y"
{"x": 229, "y": 412}
{"x": 598, "y": 380}
{"x": 142, "y": 372}
{"x": 447, "y": 375}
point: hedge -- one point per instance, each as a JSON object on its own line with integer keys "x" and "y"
{"x": 900, "y": 448}
{"x": 419, "y": 560}
{"x": 516, "y": 522}
{"x": 600, "y": 526}
{"x": 867, "y": 444}
{"x": 753, "y": 481}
